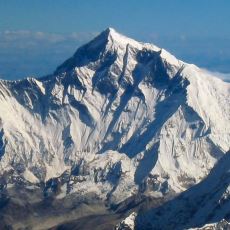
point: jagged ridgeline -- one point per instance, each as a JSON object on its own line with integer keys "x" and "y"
{"x": 120, "y": 123}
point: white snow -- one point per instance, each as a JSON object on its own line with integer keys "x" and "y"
{"x": 29, "y": 176}
{"x": 124, "y": 127}
{"x": 127, "y": 223}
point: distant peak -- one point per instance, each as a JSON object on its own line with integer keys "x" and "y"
{"x": 115, "y": 37}
{"x": 111, "y": 33}
{"x": 111, "y": 30}
{"x": 107, "y": 40}
{"x": 118, "y": 38}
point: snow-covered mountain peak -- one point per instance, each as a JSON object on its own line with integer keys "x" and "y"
{"x": 121, "y": 120}
{"x": 122, "y": 40}
{"x": 120, "y": 117}
{"x": 111, "y": 45}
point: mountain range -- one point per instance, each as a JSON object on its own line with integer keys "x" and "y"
{"x": 121, "y": 134}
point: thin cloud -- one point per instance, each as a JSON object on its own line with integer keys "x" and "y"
{"x": 25, "y": 53}
{"x": 223, "y": 76}
{"x": 9, "y": 36}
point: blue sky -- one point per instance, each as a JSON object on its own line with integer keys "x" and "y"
{"x": 37, "y": 35}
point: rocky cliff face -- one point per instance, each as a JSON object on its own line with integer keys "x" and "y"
{"x": 117, "y": 119}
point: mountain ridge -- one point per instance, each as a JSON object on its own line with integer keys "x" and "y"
{"x": 119, "y": 118}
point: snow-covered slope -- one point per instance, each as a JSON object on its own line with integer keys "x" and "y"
{"x": 204, "y": 206}
{"x": 118, "y": 118}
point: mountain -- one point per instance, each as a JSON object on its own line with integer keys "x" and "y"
{"x": 118, "y": 123}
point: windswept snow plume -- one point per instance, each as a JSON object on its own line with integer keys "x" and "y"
{"x": 119, "y": 119}
{"x": 224, "y": 76}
